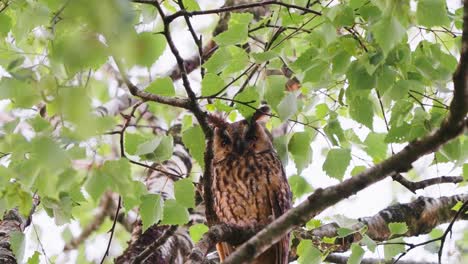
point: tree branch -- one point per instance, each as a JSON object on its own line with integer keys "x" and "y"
{"x": 182, "y": 12}
{"x": 135, "y": 91}
{"x": 99, "y": 217}
{"x": 12, "y": 222}
{"x": 413, "y": 186}
{"x": 421, "y": 216}
{"x": 155, "y": 245}
{"x": 216, "y": 234}
{"x": 453, "y": 125}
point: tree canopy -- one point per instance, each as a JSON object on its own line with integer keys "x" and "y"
{"x": 103, "y": 126}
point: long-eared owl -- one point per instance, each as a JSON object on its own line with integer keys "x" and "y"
{"x": 249, "y": 183}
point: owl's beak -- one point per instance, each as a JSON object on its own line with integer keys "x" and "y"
{"x": 239, "y": 146}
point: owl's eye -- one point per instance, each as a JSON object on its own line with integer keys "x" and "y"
{"x": 224, "y": 143}
{"x": 225, "y": 139}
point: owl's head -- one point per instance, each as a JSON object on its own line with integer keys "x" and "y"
{"x": 242, "y": 137}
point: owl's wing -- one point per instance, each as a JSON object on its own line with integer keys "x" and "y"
{"x": 280, "y": 201}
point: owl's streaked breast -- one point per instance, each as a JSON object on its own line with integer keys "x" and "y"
{"x": 242, "y": 186}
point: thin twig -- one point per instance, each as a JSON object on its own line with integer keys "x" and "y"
{"x": 112, "y": 229}
{"x": 179, "y": 13}
{"x": 413, "y": 186}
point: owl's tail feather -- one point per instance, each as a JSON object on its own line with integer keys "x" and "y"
{"x": 277, "y": 254}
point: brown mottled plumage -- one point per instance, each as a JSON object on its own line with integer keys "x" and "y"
{"x": 249, "y": 184}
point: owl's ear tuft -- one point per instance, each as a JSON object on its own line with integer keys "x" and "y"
{"x": 262, "y": 115}
{"x": 217, "y": 121}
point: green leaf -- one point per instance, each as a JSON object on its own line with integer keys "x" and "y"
{"x": 239, "y": 60}
{"x": 398, "y": 134}
{"x": 18, "y": 243}
{"x": 317, "y": 71}
{"x": 185, "y": 192}
{"x": 164, "y": 150}
{"x": 237, "y": 32}
{"x": 196, "y": 232}
{"x": 5, "y": 24}
{"x": 149, "y": 47}
{"x": 299, "y": 146}
{"x": 431, "y": 13}
{"x": 344, "y": 232}
{"x": 370, "y": 244}
{"x": 388, "y": 32}
{"x": 391, "y": 250}
{"x": 329, "y": 240}
{"x": 358, "y": 169}
{"x": 457, "y": 206}
{"x": 357, "y": 253}
{"x": 288, "y": 106}
{"x": 61, "y": 208}
{"x": 299, "y": 186}
{"x": 400, "y": 112}
{"x": 132, "y": 142}
{"x": 385, "y": 79}
{"x": 15, "y": 196}
{"x": 359, "y": 78}
{"x": 361, "y": 109}
{"x": 148, "y": 146}
{"x": 280, "y": 144}
{"x": 308, "y": 254}
{"x": 174, "y": 213}
{"x": 303, "y": 62}
{"x": 91, "y": 54}
{"x": 398, "y": 228}
{"x": 194, "y": 140}
{"x": 211, "y": 84}
{"x": 119, "y": 173}
{"x": 336, "y": 163}
{"x": 249, "y": 96}
{"x": 34, "y": 259}
{"x": 274, "y": 90}
{"x": 376, "y": 146}
{"x": 22, "y": 93}
{"x": 313, "y": 223}
{"x": 321, "y": 110}
{"x": 151, "y": 209}
{"x": 261, "y": 57}
{"x": 218, "y": 61}
{"x": 341, "y": 62}
{"x": 191, "y": 5}
{"x": 162, "y": 86}
{"x": 341, "y": 15}
{"x": 333, "y": 129}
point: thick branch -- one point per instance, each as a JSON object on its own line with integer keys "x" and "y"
{"x": 453, "y": 125}
{"x": 420, "y": 216}
{"x": 155, "y": 245}
{"x": 12, "y": 222}
{"x": 216, "y": 234}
